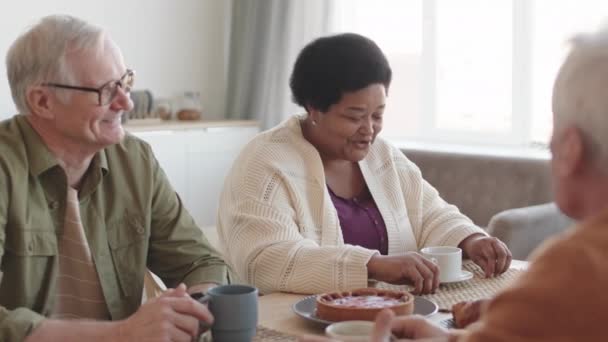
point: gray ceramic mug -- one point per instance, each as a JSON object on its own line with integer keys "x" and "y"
{"x": 235, "y": 312}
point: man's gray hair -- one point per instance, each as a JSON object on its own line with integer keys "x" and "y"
{"x": 580, "y": 93}
{"x": 39, "y": 54}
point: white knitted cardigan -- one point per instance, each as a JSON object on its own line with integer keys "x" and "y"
{"x": 279, "y": 230}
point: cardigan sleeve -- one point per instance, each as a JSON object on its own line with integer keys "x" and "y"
{"x": 267, "y": 246}
{"x": 434, "y": 221}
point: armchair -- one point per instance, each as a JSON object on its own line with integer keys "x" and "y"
{"x": 523, "y": 229}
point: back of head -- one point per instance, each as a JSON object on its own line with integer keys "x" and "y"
{"x": 580, "y": 93}
{"x": 330, "y": 66}
{"x": 39, "y": 54}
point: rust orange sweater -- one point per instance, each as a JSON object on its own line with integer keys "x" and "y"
{"x": 562, "y": 297}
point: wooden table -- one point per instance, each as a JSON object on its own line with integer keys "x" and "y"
{"x": 275, "y": 312}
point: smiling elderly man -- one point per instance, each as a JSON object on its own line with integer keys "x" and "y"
{"x": 84, "y": 207}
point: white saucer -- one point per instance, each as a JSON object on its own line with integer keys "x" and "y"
{"x": 464, "y": 275}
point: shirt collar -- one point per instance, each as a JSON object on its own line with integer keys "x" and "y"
{"x": 40, "y": 158}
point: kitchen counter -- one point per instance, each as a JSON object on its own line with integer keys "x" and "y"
{"x": 195, "y": 156}
{"x": 146, "y": 125}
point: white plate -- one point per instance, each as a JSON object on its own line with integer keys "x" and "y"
{"x": 465, "y": 275}
{"x": 307, "y": 307}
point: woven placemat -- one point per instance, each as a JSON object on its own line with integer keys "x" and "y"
{"x": 263, "y": 334}
{"x": 476, "y": 288}
{"x": 267, "y": 334}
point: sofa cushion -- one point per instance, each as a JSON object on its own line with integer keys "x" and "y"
{"x": 483, "y": 185}
{"x": 523, "y": 229}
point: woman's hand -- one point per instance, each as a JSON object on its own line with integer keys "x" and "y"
{"x": 491, "y": 254}
{"x": 409, "y": 268}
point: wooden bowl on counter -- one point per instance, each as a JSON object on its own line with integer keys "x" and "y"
{"x": 189, "y": 115}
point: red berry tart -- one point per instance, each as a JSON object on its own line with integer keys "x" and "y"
{"x": 362, "y": 304}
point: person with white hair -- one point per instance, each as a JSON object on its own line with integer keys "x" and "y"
{"x": 562, "y": 296}
{"x": 85, "y": 207}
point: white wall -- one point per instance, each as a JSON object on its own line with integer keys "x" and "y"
{"x": 174, "y": 45}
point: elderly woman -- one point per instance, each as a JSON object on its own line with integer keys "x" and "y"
{"x": 321, "y": 203}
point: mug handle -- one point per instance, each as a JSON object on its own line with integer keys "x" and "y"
{"x": 203, "y": 299}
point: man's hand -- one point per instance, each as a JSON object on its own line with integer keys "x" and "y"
{"x": 408, "y": 268}
{"x": 408, "y": 327}
{"x": 388, "y": 327}
{"x": 491, "y": 254}
{"x": 173, "y": 316}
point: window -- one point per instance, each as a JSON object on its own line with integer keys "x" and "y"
{"x": 470, "y": 71}
{"x": 554, "y": 23}
{"x": 396, "y": 26}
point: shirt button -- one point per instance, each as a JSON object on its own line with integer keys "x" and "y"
{"x": 140, "y": 230}
{"x": 54, "y": 205}
{"x": 375, "y": 221}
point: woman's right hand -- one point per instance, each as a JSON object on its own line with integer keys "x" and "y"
{"x": 408, "y": 268}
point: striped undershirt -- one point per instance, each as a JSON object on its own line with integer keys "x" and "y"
{"x": 79, "y": 294}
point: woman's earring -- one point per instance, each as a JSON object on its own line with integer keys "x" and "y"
{"x": 314, "y": 123}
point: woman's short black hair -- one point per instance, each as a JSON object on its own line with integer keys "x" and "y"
{"x": 330, "y": 66}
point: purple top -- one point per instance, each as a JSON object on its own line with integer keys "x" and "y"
{"x": 361, "y": 222}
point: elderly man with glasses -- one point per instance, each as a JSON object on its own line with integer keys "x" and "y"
{"x": 84, "y": 207}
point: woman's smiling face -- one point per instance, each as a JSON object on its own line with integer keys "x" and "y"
{"x": 348, "y": 128}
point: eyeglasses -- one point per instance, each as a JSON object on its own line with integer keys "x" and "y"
{"x": 107, "y": 92}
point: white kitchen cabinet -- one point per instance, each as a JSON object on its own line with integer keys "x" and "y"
{"x": 196, "y": 157}
{"x": 168, "y": 147}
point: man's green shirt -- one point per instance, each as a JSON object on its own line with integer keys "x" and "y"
{"x": 132, "y": 219}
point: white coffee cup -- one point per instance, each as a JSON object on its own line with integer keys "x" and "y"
{"x": 350, "y": 331}
{"x": 448, "y": 259}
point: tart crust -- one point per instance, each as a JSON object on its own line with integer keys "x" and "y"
{"x": 328, "y": 310}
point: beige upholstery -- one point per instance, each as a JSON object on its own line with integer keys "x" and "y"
{"x": 480, "y": 185}
{"x": 523, "y": 229}
{"x": 487, "y": 188}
